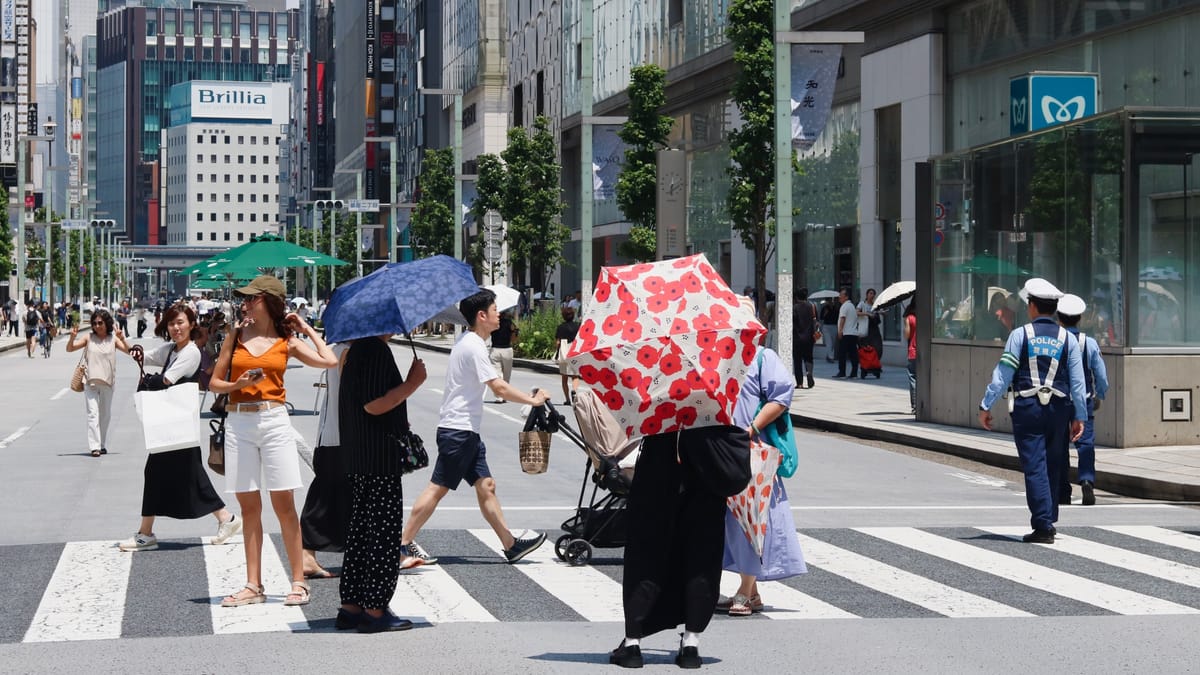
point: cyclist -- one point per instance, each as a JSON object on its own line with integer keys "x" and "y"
{"x": 45, "y": 328}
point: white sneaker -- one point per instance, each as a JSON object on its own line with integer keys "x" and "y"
{"x": 227, "y": 529}
{"x": 139, "y": 542}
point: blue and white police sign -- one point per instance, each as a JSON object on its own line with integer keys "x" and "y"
{"x": 1040, "y": 100}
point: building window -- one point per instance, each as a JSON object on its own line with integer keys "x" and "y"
{"x": 207, "y": 53}
{"x": 212, "y": 139}
{"x": 254, "y": 159}
{"x": 214, "y": 159}
{"x": 254, "y": 140}
{"x": 253, "y": 217}
{"x": 241, "y": 178}
{"x": 226, "y": 143}
{"x": 253, "y": 178}
{"x": 199, "y": 196}
{"x": 227, "y": 54}
{"x": 226, "y": 236}
{"x": 212, "y": 236}
{"x": 241, "y": 217}
{"x": 227, "y": 159}
{"x": 242, "y": 159}
{"x": 169, "y": 53}
{"x": 212, "y": 197}
{"x": 199, "y": 158}
{"x": 540, "y": 103}
{"x": 227, "y": 178}
{"x": 253, "y": 198}
{"x": 225, "y": 217}
{"x": 212, "y": 217}
{"x": 518, "y": 99}
{"x": 199, "y": 178}
{"x": 241, "y": 197}
{"x": 189, "y": 54}
{"x": 241, "y": 236}
{"x": 199, "y": 217}
{"x": 199, "y": 138}
{"x": 241, "y": 140}
{"x": 151, "y": 27}
{"x": 226, "y": 197}
{"x": 266, "y": 140}
{"x": 212, "y": 177}
{"x": 151, "y": 53}
{"x": 674, "y": 12}
{"x": 199, "y": 236}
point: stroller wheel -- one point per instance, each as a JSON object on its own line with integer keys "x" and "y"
{"x": 560, "y": 547}
{"x": 579, "y": 552}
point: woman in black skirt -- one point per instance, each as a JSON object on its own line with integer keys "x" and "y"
{"x": 176, "y": 482}
{"x": 327, "y": 505}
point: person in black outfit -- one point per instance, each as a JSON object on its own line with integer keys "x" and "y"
{"x": 829, "y": 318}
{"x": 501, "y": 352}
{"x": 371, "y": 411}
{"x": 564, "y": 335}
{"x": 804, "y": 325}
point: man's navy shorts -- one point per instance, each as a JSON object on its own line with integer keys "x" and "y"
{"x": 461, "y": 456}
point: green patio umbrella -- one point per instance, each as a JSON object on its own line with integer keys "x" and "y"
{"x": 264, "y": 252}
{"x": 987, "y": 264}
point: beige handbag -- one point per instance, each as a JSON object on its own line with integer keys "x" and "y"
{"x": 534, "y": 450}
{"x": 80, "y": 374}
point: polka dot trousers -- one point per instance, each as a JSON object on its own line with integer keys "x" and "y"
{"x": 371, "y": 565}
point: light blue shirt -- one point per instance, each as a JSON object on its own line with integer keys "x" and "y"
{"x": 1002, "y": 375}
{"x": 1095, "y": 364}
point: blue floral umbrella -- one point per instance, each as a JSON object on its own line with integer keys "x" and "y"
{"x": 396, "y": 298}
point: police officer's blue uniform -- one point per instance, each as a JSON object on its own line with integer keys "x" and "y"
{"x": 1095, "y": 378}
{"x": 1043, "y": 409}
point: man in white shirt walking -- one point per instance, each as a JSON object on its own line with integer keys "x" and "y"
{"x": 461, "y": 453}
{"x": 847, "y": 334}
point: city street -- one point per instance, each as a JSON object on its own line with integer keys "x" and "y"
{"x": 913, "y": 565}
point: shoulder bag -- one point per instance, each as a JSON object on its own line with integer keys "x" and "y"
{"x": 216, "y": 446}
{"x": 80, "y": 375}
{"x": 779, "y": 434}
{"x": 412, "y": 451}
{"x": 221, "y": 401}
{"x": 817, "y": 334}
{"x": 716, "y": 458}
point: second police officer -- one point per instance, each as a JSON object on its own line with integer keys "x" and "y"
{"x": 1047, "y": 405}
{"x": 1095, "y": 378}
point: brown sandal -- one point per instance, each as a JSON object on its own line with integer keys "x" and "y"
{"x": 297, "y": 597}
{"x": 238, "y": 600}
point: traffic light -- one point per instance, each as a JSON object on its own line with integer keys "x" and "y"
{"x": 330, "y": 204}
{"x": 102, "y": 223}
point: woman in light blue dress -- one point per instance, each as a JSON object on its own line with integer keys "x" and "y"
{"x": 769, "y": 383}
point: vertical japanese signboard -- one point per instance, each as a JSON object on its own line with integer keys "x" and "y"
{"x": 814, "y": 74}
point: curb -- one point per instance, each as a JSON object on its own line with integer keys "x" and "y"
{"x": 547, "y": 367}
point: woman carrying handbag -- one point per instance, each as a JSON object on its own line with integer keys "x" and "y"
{"x": 100, "y": 357}
{"x": 176, "y": 483}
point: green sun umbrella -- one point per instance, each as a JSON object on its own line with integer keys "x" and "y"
{"x": 265, "y": 252}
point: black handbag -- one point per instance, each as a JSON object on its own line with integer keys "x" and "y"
{"x": 216, "y": 446}
{"x": 412, "y": 451}
{"x": 718, "y": 458}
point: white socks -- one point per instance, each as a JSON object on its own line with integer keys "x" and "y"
{"x": 690, "y": 639}
{"x": 631, "y": 642}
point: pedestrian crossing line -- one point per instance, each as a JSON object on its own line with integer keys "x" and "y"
{"x": 226, "y": 569}
{"x": 1111, "y": 598}
{"x": 430, "y": 594}
{"x": 1117, "y": 557}
{"x": 85, "y": 597}
{"x": 589, "y": 592}
{"x": 785, "y": 602}
{"x": 1159, "y": 535}
{"x": 918, "y": 590}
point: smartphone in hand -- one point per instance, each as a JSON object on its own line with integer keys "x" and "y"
{"x": 256, "y": 373}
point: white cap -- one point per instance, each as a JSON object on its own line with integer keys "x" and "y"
{"x": 1071, "y": 305}
{"x": 1041, "y": 289}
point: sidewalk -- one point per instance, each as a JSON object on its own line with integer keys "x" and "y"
{"x": 878, "y": 410}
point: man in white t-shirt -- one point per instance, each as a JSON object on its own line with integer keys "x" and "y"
{"x": 461, "y": 453}
{"x": 847, "y": 334}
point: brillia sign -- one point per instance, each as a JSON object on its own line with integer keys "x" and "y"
{"x": 232, "y": 97}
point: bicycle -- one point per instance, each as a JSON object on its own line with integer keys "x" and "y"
{"x": 45, "y": 341}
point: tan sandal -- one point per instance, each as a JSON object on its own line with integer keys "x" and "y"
{"x": 237, "y": 599}
{"x": 297, "y": 597}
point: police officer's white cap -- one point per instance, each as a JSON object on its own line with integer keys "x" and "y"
{"x": 1071, "y": 305}
{"x": 1041, "y": 289}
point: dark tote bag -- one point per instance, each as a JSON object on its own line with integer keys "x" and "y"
{"x": 718, "y": 458}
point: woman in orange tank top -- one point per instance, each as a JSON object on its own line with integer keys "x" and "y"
{"x": 260, "y": 444}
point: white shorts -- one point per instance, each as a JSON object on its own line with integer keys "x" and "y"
{"x": 260, "y": 451}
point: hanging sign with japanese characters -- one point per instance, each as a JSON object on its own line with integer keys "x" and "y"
{"x": 814, "y": 74}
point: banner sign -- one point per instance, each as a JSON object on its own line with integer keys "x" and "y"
{"x": 370, "y": 38}
{"x": 8, "y": 134}
{"x": 608, "y": 156}
{"x": 814, "y": 74}
{"x": 1040, "y": 100}
{"x": 8, "y": 20}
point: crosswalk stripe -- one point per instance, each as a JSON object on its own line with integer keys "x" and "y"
{"x": 430, "y": 594}
{"x": 85, "y": 598}
{"x": 896, "y": 582}
{"x": 226, "y": 569}
{"x": 1112, "y": 598}
{"x": 1117, "y": 557}
{"x": 592, "y": 594}
{"x": 1159, "y": 535}
{"x": 785, "y": 603}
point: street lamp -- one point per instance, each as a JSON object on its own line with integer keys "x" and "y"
{"x": 458, "y": 159}
{"x": 358, "y": 195}
{"x": 49, "y": 126}
{"x": 392, "y": 196}
{"x": 21, "y": 220}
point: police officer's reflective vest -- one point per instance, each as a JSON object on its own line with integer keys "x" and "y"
{"x": 1042, "y": 370}
{"x": 1089, "y": 382}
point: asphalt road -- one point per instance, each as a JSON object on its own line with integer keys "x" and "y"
{"x": 913, "y": 565}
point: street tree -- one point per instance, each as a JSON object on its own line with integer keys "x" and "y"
{"x": 644, "y": 134}
{"x": 432, "y": 225}
{"x": 532, "y": 204}
{"x": 7, "y": 261}
{"x": 489, "y": 196}
{"x": 752, "y": 146}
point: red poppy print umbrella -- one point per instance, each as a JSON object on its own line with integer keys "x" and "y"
{"x": 751, "y": 508}
{"x": 665, "y": 345}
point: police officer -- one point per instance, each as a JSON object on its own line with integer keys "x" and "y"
{"x": 1095, "y": 378}
{"x": 1047, "y": 400}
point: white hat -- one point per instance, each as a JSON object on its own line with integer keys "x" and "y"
{"x": 1071, "y": 305}
{"x": 1041, "y": 289}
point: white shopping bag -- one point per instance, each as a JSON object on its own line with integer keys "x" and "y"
{"x": 170, "y": 418}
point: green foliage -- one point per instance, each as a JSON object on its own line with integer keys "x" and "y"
{"x": 530, "y": 201}
{"x": 536, "y": 340}
{"x": 752, "y": 147}
{"x": 347, "y": 242}
{"x": 432, "y": 227}
{"x": 644, "y": 133}
{"x": 8, "y": 261}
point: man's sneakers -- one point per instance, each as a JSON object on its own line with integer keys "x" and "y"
{"x": 524, "y": 545}
{"x": 139, "y": 542}
{"x": 227, "y": 530}
{"x": 412, "y": 555}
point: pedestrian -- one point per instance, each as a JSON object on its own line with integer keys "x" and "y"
{"x": 829, "y": 330}
{"x": 372, "y": 414}
{"x": 765, "y": 395}
{"x": 805, "y": 329}
{"x": 176, "y": 484}
{"x": 123, "y": 312}
{"x": 140, "y": 316}
{"x": 573, "y": 300}
{"x": 260, "y": 443}
{"x": 847, "y": 332}
{"x": 564, "y": 335}
{"x": 501, "y": 351}
{"x": 32, "y": 319}
{"x": 869, "y": 335}
{"x": 461, "y": 454}
{"x": 1095, "y": 379}
{"x": 326, "y": 512}
{"x": 60, "y": 311}
{"x": 10, "y": 318}
{"x": 1046, "y": 401}
{"x": 100, "y": 359}
{"x": 910, "y": 337}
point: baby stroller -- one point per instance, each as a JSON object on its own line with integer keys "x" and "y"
{"x": 599, "y": 522}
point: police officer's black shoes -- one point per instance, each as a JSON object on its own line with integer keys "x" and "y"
{"x": 1064, "y": 498}
{"x": 1089, "y": 493}
{"x": 626, "y": 657}
{"x": 1040, "y": 536}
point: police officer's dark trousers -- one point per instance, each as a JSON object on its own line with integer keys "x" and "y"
{"x": 1085, "y": 448}
{"x": 1042, "y": 434}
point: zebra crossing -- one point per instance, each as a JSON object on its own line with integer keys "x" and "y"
{"x": 89, "y": 590}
